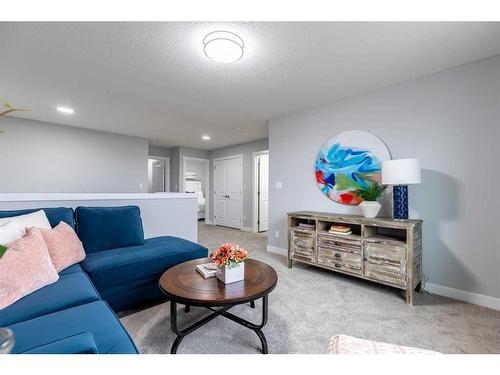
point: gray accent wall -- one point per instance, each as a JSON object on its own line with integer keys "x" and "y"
{"x": 245, "y": 149}
{"x": 451, "y": 122}
{"x": 39, "y": 157}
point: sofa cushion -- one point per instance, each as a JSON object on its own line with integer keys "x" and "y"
{"x": 95, "y": 317}
{"x": 104, "y": 228}
{"x": 70, "y": 290}
{"x": 82, "y": 343}
{"x": 10, "y": 231}
{"x": 54, "y": 214}
{"x": 115, "y": 267}
{"x": 71, "y": 269}
{"x": 37, "y": 219}
{"x": 25, "y": 267}
{"x": 65, "y": 248}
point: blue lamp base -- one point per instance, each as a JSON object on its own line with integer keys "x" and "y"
{"x": 400, "y": 202}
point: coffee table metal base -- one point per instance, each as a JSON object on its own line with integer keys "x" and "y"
{"x": 221, "y": 311}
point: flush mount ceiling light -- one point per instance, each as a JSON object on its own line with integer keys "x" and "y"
{"x": 66, "y": 110}
{"x": 205, "y": 137}
{"x": 223, "y": 46}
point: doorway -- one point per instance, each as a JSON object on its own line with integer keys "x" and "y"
{"x": 228, "y": 191}
{"x": 196, "y": 180}
{"x": 158, "y": 175}
{"x": 261, "y": 191}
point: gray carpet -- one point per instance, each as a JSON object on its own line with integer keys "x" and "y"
{"x": 309, "y": 305}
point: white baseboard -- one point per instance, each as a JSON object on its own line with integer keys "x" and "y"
{"x": 247, "y": 229}
{"x": 209, "y": 222}
{"x": 277, "y": 250}
{"x": 462, "y": 295}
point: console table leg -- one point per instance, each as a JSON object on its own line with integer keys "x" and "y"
{"x": 409, "y": 296}
{"x": 187, "y": 308}
{"x": 252, "y": 304}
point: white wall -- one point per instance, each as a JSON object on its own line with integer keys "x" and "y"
{"x": 449, "y": 120}
{"x": 156, "y": 209}
{"x": 245, "y": 149}
{"x": 41, "y": 157}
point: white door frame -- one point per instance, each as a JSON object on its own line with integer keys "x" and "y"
{"x": 255, "y": 188}
{"x": 166, "y": 176}
{"x": 207, "y": 182}
{"x": 242, "y": 190}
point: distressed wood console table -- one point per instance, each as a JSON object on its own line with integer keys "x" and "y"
{"x": 381, "y": 250}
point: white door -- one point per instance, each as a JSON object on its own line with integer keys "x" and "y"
{"x": 263, "y": 192}
{"x": 228, "y": 192}
{"x": 158, "y": 176}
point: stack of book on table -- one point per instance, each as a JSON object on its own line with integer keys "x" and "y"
{"x": 340, "y": 229}
{"x": 306, "y": 226}
{"x": 207, "y": 270}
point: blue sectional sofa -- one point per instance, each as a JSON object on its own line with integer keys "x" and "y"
{"x": 121, "y": 270}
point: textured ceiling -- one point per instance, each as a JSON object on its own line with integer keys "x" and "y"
{"x": 152, "y": 79}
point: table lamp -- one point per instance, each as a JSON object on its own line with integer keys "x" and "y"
{"x": 400, "y": 173}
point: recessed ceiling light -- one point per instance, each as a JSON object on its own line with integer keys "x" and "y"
{"x": 223, "y": 46}
{"x": 66, "y": 110}
{"x": 205, "y": 137}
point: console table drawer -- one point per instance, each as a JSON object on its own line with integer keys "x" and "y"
{"x": 339, "y": 266}
{"x": 302, "y": 245}
{"x": 340, "y": 244}
{"x": 395, "y": 255}
{"x": 339, "y": 256}
{"x": 385, "y": 272}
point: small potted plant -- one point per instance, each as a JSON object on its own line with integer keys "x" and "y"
{"x": 370, "y": 195}
{"x": 230, "y": 259}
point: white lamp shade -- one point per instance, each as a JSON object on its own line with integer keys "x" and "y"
{"x": 401, "y": 172}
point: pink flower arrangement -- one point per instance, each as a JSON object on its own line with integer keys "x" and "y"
{"x": 229, "y": 254}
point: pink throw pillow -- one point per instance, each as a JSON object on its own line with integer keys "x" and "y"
{"x": 65, "y": 248}
{"x": 25, "y": 267}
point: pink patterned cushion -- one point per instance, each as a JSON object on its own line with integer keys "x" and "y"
{"x": 342, "y": 344}
{"x": 65, "y": 248}
{"x": 24, "y": 268}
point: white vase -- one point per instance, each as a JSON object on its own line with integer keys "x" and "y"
{"x": 230, "y": 275}
{"x": 370, "y": 208}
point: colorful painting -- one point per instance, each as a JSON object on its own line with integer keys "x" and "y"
{"x": 350, "y": 162}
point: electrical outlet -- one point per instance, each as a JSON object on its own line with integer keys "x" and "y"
{"x": 141, "y": 185}
{"x": 278, "y": 184}
{"x": 277, "y": 233}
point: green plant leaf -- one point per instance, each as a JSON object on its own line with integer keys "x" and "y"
{"x": 372, "y": 193}
{"x": 3, "y": 249}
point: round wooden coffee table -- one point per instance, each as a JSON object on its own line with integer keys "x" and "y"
{"x": 183, "y": 284}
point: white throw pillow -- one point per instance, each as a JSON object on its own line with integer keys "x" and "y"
{"x": 36, "y": 219}
{"x": 10, "y": 231}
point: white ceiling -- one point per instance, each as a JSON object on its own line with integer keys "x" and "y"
{"x": 152, "y": 79}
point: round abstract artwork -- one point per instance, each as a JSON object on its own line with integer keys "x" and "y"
{"x": 349, "y": 163}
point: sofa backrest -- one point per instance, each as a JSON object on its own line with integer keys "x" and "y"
{"x": 104, "y": 228}
{"x": 54, "y": 214}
